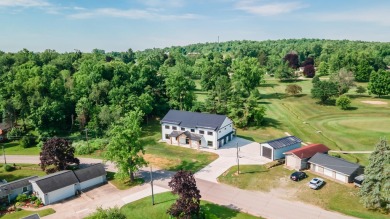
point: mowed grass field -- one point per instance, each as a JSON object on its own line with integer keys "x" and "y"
{"x": 358, "y": 129}
{"x": 332, "y": 196}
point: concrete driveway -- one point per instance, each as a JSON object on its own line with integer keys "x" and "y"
{"x": 248, "y": 153}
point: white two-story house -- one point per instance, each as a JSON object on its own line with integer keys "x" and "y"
{"x": 196, "y": 129}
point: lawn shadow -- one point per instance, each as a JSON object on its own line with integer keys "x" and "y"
{"x": 270, "y": 122}
{"x": 299, "y": 95}
{"x": 246, "y": 137}
{"x": 254, "y": 171}
{"x": 264, "y": 102}
{"x": 271, "y": 96}
{"x": 269, "y": 85}
{"x": 352, "y": 108}
{"x": 220, "y": 211}
{"x": 354, "y": 96}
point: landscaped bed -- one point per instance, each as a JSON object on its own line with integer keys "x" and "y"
{"x": 143, "y": 208}
{"x": 332, "y": 196}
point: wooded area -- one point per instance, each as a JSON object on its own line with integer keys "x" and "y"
{"x": 61, "y": 93}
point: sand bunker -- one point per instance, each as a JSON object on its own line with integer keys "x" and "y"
{"x": 375, "y": 102}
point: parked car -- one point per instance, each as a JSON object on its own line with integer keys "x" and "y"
{"x": 316, "y": 183}
{"x": 298, "y": 175}
{"x": 358, "y": 180}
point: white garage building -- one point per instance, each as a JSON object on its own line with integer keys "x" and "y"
{"x": 55, "y": 187}
{"x": 334, "y": 168}
{"x": 64, "y": 184}
{"x": 91, "y": 176}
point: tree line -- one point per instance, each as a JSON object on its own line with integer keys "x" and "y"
{"x": 54, "y": 92}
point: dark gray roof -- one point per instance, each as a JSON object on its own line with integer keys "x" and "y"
{"x": 283, "y": 142}
{"x": 194, "y": 119}
{"x": 90, "y": 172}
{"x": 56, "y": 181}
{"x": 334, "y": 163}
{"x": 190, "y": 135}
{"x": 7, "y": 188}
{"x": 33, "y": 216}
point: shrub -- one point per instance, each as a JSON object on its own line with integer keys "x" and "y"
{"x": 315, "y": 79}
{"x": 33, "y": 198}
{"x": 81, "y": 147}
{"x": 293, "y": 89}
{"x": 38, "y": 202}
{"x": 343, "y": 102}
{"x": 111, "y": 213}
{"x": 14, "y": 133}
{"x": 21, "y": 198}
{"x": 361, "y": 90}
{"x": 8, "y": 168}
{"x": 27, "y": 141}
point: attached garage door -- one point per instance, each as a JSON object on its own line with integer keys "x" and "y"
{"x": 292, "y": 162}
{"x": 61, "y": 194}
{"x": 91, "y": 182}
{"x": 340, "y": 177}
{"x": 328, "y": 172}
{"x": 267, "y": 152}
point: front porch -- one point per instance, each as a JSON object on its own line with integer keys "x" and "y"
{"x": 186, "y": 139}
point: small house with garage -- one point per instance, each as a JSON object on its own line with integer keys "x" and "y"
{"x": 196, "y": 129}
{"x": 334, "y": 168}
{"x": 297, "y": 158}
{"x": 91, "y": 176}
{"x": 274, "y": 149}
{"x": 10, "y": 190}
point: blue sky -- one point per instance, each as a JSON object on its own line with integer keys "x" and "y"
{"x": 116, "y": 25}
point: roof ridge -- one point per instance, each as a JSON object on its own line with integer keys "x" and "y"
{"x": 336, "y": 158}
{"x": 53, "y": 174}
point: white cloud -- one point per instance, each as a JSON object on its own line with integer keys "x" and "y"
{"x": 163, "y": 3}
{"x": 24, "y": 3}
{"x": 130, "y": 14}
{"x": 267, "y": 9}
{"x": 373, "y": 15}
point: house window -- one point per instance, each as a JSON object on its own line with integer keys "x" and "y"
{"x": 225, "y": 128}
{"x": 174, "y": 127}
{"x": 24, "y": 189}
{"x": 209, "y": 143}
{"x": 166, "y": 136}
{"x": 167, "y": 127}
{"x": 201, "y": 132}
{"x": 192, "y": 130}
{"x": 183, "y": 129}
{"x": 210, "y": 133}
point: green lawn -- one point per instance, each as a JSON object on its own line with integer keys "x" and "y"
{"x": 13, "y": 148}
{"x": 122, "y": 184}
{"x": 143, "y": 209}
{"x": 25, "y": 170}
{"x": 25, "y": 213}
{"x": 356, "y": 129}
{"x": 333, "y": 196}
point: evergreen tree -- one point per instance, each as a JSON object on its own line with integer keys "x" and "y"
{"x": 375, "y": 190}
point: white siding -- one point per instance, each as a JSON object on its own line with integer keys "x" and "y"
{"x": 328, "y": 172}
{"x": 226, "y": 127}
{"x": 293, "y": 162}
{"x": 61, "y": 194}
{"x": 91, "y": 182}
{"x": 341, "y": 177}
{"x": 39, "y": 192}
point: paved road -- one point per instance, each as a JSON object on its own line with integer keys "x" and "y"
{"x": 253, "y": 202}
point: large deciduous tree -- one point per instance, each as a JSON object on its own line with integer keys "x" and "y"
{"x": 57, "y": 154}
{"x": 375, "y": 190}
{"x": 309, "y": 71}
{"x": 379, "y": 83}
{"x": 125, "y": 149}
{"x": 188, "y": 204}
{"x": 344, "y": 79}
{"x": 247, "y": 73}
{"x": 292, "y": 59}
{"x": 324, "y": 90}
{"x": 180, "y": 89}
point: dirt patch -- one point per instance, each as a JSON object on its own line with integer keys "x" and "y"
{"x": 374, "y": 102}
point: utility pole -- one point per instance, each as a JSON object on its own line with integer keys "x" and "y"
{"x": 151, "y": 184}
{"x": 5, "y": 161}
{"x": 238, "y": 161}
{"x": 86, "y": 137}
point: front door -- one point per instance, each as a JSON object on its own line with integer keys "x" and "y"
{"x": 187, "y": 141}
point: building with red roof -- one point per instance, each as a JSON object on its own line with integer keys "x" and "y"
{"x": 297, "y": 158}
